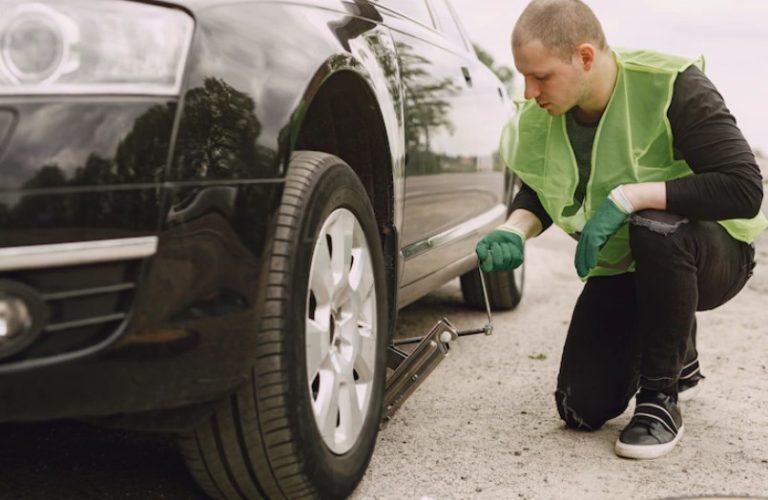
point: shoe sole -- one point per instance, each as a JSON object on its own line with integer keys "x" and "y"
{"x": 647, "y": 451}
{"x": 689, "y": 394}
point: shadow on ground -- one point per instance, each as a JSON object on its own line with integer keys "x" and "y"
{"x": 69, "y": 460}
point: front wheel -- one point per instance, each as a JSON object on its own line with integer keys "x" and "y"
{"x": 306, "y": 424}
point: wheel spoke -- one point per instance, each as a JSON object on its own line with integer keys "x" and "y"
{"x": 351, "y": 416}
{"x": 318, "y": 347}
{"x": 361, "y": 280}
{"x": 365, "y": 357}
{"x": 349, "y": 335}
{"x": 321, "y": 280}
{"x": 327, "y": 406}
{"x": 341, "y": 233}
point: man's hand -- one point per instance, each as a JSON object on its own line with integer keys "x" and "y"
{"x": 500, "y": 250}
{"x": 604, "y": 223}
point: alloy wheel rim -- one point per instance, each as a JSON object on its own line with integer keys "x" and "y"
{"x": 341, "y": 330}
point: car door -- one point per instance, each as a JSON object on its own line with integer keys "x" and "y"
{"x": 454, "y": 112}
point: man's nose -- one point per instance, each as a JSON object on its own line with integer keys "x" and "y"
{"x": 532, "y": 89}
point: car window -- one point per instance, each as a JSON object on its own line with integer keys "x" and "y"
{"x": 415, "y": 9}
{"x": 447, "y": 23}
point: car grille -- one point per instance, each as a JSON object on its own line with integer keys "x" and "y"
{"x": 87, "y": 304}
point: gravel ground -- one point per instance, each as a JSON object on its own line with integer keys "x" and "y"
{"x": 484, "y": 425}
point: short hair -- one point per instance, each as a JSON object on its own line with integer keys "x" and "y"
{"x": 560, "y": 25}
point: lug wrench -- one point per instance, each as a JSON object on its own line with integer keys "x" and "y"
{"x": 487, "y": 329}
{"x": 410, "y": 369}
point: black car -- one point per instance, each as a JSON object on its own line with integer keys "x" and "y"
{"x": 211, "y": 211}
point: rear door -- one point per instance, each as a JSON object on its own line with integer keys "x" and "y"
{"x": 454, "y": 112}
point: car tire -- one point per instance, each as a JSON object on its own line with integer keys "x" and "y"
{"x": 265, "y": 441}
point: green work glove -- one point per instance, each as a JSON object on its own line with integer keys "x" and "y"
{"x": 604, "y": 223}
{"x": 500, "y": 250}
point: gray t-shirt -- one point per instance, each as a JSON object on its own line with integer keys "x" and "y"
{"x": 582, "y": 137}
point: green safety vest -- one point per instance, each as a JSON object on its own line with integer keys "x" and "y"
{"x": 633, "y": 143}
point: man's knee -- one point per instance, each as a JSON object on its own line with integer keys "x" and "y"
{"x": 576, "y": 414}
{"x": 656, "y": 231}
{"x": 657, "y": 221}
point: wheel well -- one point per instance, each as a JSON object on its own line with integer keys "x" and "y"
{"x": 344, "y": 120}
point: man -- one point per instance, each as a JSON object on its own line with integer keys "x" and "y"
{"x": 635, "y": 154}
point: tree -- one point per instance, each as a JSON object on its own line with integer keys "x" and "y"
{"x": 43, "y": 209}
{"x": 428, "y": 104}
{"x": 217, "y": 135}
{"x": 505, "y": 73}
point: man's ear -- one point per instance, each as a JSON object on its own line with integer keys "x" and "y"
{"x": 585, "y": 55}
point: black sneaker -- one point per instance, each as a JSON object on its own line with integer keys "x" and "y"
{"x": 689, "y": 384}
{"x": 655, "y": 428}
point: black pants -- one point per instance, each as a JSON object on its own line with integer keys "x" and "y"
{"x": 639, "y": 329}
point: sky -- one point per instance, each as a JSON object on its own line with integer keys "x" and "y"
{"x": 732, "y": 35}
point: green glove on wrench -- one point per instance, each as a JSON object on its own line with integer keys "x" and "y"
{"x": 500, "y": 250}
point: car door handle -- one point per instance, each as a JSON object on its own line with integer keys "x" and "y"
{"x": 467, "y": 76}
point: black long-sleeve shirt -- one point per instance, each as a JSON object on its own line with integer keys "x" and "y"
{"x": 727, "y": 183}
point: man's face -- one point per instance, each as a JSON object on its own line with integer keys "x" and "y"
{"x": 557, "y": 85}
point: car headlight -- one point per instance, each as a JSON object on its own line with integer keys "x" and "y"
{"x": 87, "y": 47}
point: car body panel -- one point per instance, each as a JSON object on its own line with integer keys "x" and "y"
{"x": 204, "y": 173}
{"x": 53, "y": 190}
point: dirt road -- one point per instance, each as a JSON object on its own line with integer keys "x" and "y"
{"x": 485, "y": 425}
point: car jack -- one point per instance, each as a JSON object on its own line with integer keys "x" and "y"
{"x": 412, "y": 368}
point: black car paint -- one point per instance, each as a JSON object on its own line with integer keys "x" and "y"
{"x": 204, "y": 173}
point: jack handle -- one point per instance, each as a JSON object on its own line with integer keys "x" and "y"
{"x": 487, "y": 329}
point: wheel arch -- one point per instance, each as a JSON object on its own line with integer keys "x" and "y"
{"x": 345, "y": 113}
